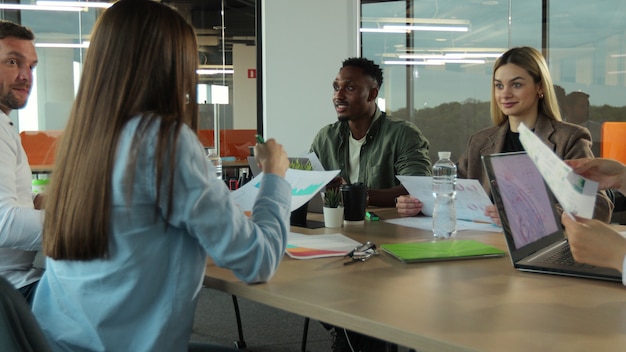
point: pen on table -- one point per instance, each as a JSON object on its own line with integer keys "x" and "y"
{"x": 259, "y": 139}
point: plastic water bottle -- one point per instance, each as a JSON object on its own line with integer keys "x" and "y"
{"x": 444, "y": 190}
{"x": 216, "y": 160}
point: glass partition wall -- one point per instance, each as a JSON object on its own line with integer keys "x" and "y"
{"x": 226, "y": 36}
{"x": 438, "y": 57}
{"x": 61, "y": 38}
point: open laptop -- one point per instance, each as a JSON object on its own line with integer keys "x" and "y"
{"x": 530, "y": 222}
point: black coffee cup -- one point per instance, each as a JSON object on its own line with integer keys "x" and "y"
{"x": 354, "y": 198}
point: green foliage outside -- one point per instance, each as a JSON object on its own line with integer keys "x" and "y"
{"x": 449, "y": 126}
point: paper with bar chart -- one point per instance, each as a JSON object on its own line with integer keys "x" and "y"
{"x": 304, "y": 185}
{"x": 576, "y": 194}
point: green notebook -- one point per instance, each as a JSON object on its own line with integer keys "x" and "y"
{"x": 415, "y": 252}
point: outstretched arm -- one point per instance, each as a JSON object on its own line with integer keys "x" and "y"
{"x": 608, "y": 173}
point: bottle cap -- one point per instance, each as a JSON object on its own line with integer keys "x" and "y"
{"x": 444, "y": 155}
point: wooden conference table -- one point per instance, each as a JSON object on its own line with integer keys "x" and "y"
{"x": 470, "y": 305}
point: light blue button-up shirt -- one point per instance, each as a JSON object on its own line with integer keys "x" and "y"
{"x": 143, "y": 297}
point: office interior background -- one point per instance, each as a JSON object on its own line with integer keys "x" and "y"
{"x": 269, "y": 64}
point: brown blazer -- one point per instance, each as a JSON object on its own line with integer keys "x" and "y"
{"x": 568, "y": 141}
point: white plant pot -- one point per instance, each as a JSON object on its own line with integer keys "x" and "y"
{"x": 333, "y": 217}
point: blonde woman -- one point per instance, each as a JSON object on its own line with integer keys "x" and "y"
{"x": 133, "y": 212}
{"x": 522, "y": 91}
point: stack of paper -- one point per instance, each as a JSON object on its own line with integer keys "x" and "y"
{"x": 302, "y": 246}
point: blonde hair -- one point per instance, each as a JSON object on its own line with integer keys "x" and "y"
{"x": 533, "y": 62}
{"x": 142, "y": 60}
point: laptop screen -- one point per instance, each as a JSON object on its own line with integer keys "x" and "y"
{"x": 525, "y": 206}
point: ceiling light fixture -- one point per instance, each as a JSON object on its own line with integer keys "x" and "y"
{"x": 62, "y": 45}
{"x": 450, "y": 56}
{"x": 41, "y": 8}
{"x": 472, "y": 55}
{"x": 428, "y": 28}
{"x": 81, "y": 4}
{"x": 401, "y": 25}
{"x": 434, "y": 61}
{"x": 413, "y": 63}
{"x": 205, "y": 71}
{"x": 459, "y": 61}
{"x": 382, "y": 30}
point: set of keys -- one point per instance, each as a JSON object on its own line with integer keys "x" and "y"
{"x": 361, "y": 253}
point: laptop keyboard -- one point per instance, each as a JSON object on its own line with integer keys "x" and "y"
{"x": 562, "y": 256}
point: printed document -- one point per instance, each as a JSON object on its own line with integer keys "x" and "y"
{"x": 304, "y": 185}
{"x": 471, "y": 199}
{"x": 576, "y": 194}
{"x": 301, "y": 246}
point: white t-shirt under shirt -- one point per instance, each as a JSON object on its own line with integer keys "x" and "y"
{"x": 355, "y": 153}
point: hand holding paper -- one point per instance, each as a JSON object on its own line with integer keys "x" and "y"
{"x": 608, "y": 173}
{"x": 471, "y": 199}
{"x": 576, "y": 194}
{"x": 304, "y": 184}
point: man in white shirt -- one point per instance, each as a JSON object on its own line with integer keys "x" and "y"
{"x": 20, "y": 221}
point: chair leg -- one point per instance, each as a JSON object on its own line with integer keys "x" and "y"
{"x": 305, "y": 334}
{"x": 240, "y": 344}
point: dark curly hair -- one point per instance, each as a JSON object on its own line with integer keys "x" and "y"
{"x": 368, "y": 66}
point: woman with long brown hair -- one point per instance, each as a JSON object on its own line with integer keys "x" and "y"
{"x": 132, "y": 212}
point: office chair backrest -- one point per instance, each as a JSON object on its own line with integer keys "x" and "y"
{"x": 19, "y": 330}
{"x": 40, "y": 146}
{"x": 614, "y": 141}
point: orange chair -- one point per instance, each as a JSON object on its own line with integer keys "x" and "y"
{"x": 40, "y": 147}
{"x": 614, "y": 147}
{"x": 614, "y": 141}
{"x": 233, "y": 143}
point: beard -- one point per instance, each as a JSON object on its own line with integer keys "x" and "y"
{"x": 343, "y": 118}
{"x": 9, "y": 100}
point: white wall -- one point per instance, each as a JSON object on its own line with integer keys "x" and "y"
{"x": 303, "y": 45}
{"x": 244, "y": 87}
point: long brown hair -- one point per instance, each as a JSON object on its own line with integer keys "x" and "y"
{"x": 141, "y": 61}
{"x": 533, "y": 62}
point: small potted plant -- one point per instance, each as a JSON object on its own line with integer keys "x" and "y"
{"x": 332, "y": 198}
{"x": 298, "y": 216}
{"x": 333, "y": 209}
